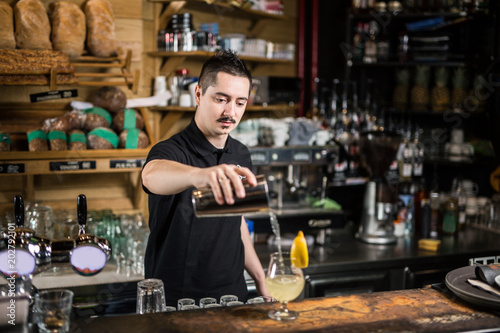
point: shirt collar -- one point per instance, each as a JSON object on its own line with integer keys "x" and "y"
{"x": 201, "y": 144}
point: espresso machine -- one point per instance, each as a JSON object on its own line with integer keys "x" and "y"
{"x": 297, "y": 180}
{"x": 378, "y": 150}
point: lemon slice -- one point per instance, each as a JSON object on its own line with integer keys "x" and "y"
{"x": 298, "y": 253}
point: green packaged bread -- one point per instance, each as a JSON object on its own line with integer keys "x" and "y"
{"x": 37, "y": 140}
{"x": 77, "y": 140}
{"x": 133, "y": 138}
{"x": 58, "y": 140}
{"x": 5, "y": 143}
{"x": 102, "y": 138}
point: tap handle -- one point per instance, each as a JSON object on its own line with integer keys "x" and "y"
{"x": 19, "y": 210}
{"x": 82, "y": 210}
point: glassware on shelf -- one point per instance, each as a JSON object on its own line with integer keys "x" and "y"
{"x": 285, "y": 283}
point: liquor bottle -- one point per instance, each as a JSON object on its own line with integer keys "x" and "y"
{"x": 418, "y": 154}
{"x": 406, "y": 194}
{"x": 421, "y": 198}
{"x": 366, "y": 114}
{"x": 313, "y": 111}
{"x": 425, "y": 224}
{"x": 354, "y": 133}
{"x": 450, "y": 225}
{"x": 322, "y": 108}
{"x": 435, "y": 204}
{"x": 342, "y": 125}
{"x": 460, "y": 197}
{"x": 371, "y": 30}
{"x": 383, "y": 46}
{"x": 405, "y": 158}
{"x": 334, "y": 105}
{"x": 358, "y": 43}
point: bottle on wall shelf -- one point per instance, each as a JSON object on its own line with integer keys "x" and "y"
{"x": 450, "y": 225}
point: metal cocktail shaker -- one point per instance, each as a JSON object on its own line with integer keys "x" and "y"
{"x": 255, "y": 201}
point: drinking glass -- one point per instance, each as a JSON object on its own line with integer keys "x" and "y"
{"x": 227, "y": 298}
{"x": 284, "y": 282}
{"x": 150, "y": 296}
{"x": 207, "y": 300}
{"x": 53, "y": 310}
{"x": 181, "y": 303}
{"x": 256, "y": 300}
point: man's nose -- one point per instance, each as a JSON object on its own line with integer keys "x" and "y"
{"x": 230, "y": 109}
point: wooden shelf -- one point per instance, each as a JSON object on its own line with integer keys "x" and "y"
{"x": 96, "y": 79}
{"x": 39, "y": 162}
{"x": 222, "y": 8}
{"x": 111, "y": 178}
{"x": 206, "y": 54}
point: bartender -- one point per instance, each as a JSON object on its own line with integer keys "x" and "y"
{"x": 203, "y": 257}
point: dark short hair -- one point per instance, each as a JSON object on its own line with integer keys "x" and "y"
{"x": 225, "y": 61}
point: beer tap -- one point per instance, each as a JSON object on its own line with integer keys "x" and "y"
{"x": 91, "y": 253}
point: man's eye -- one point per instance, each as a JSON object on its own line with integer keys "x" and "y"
{"x": 220, "y": 100}
{"x": 241, "y": 103}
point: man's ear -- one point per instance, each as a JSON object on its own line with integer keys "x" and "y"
{"x": 197, "y": 94}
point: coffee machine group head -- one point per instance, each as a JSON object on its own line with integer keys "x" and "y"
{"x": 378, "y": 150}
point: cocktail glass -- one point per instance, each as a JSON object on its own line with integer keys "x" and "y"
{"x": 285, "y": 283}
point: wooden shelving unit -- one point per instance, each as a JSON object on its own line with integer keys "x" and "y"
{"x": 110, "y": 178}
{"x": 112, "y": 71}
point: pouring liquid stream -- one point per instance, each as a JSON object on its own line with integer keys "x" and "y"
{"x": 275, "y": 227}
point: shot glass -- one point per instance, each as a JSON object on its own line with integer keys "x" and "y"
{"x": 227, "y": 298}
{"x": 170, "y": 309}
{"x": 207, "y": 300}
{"x": 53, "y": 310}
{"x": 234, "y": 303}
{"x": 256, "y": 300}
{"x": 150, "y": 296}
{"x": 182, "y": 302}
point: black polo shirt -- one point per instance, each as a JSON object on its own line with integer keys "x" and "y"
{"x": 194, "y": 257}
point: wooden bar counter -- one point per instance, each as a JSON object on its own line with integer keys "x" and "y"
{"x": 414, "y": 310}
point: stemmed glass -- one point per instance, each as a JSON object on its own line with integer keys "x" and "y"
{"x": 284, "y": 282}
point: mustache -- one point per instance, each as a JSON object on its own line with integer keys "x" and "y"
{"x": 226, "y": 119}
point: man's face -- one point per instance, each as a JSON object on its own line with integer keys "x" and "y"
{"x": 220, "y": 109}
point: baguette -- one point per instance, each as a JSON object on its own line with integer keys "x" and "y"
{"x": 101, "y": 40}
{"x": 32, "y": 25}
{"x": 68, "y": 29}
{"x": 7, "y": 39}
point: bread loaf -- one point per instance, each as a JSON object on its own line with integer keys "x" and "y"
{"x": 15, "y": 62}
{"x": 127, "y": 119}
{"x": 102, "y": 138}
{"x": 110, "y": 98}
{"x": 32, "y": 25}
{"x": 96, "y": 117}
{"x": 133, "y": 139}
{"x": 37, "y": 140}
{"x": 7, "y": 39}
{"x": 68, "y": 29}
{"x": 58, "y": 140}
{"x": 101, "y": 40}
{"x": 5, "y": 143}
{"x": 77, "y": 140}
